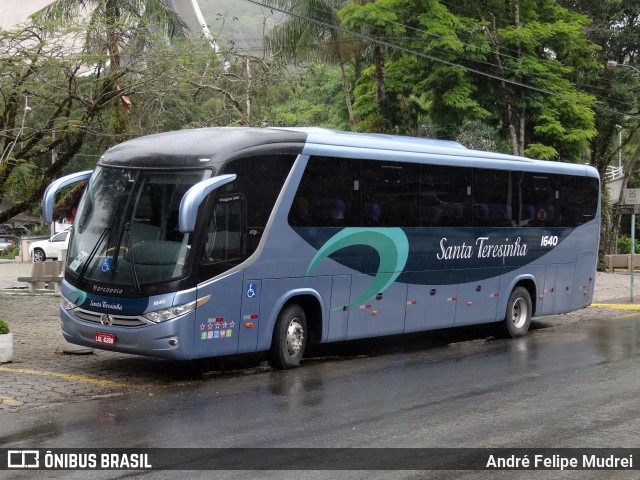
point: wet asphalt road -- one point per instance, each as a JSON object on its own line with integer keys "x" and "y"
{"x": 576, "y": 385}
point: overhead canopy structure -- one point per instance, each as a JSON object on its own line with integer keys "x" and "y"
{"x": 15, "y": 12}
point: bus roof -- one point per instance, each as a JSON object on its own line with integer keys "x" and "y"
{"x": 199, "y": 147}
{"x": 325, "y": 141}
{"x": 196, "y": 148}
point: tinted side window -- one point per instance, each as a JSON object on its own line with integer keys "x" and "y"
{"x": 539, "y": 200}
{"x": 390, "y": 194}
{"x": 579, "y": 200}
{"x": 351, "y": 193}
{"x": 445, "y": 196}
{"x": 329, "y": 194}
{"x": 492, "y": 198}
{"x": 260, "y": 180}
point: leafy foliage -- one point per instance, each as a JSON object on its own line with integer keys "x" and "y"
{"x": 317, "y": 100}
{"x": 624, "y": 245}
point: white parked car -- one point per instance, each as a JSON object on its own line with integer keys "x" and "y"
{"x": 51, "y": 248}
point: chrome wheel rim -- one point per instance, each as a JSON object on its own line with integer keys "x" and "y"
{"x": 295, "y": 337}
{"x": 519, "y": 312}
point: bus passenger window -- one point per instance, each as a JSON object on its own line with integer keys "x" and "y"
{"x": 300, "y": 214}
{"x": 580, "y": 200}
{"x": 540, "y": 200}
{"x": 445, "y": 196}
{"x": 329, "y": 194}
{"x": 493, "y": 195}
{"x": 372, "y": 214}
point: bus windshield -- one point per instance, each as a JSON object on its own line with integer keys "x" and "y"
{"x": 126, "y": 228}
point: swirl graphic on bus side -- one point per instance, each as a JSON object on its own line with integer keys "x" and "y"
{"x": 391, "y": 244}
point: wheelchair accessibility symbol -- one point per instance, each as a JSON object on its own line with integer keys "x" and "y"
{"x": 106, "y": 264}
{"x": 252, "y": 289}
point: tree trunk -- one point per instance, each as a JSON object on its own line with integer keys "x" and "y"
{"x": 247, "y": 113}
{"x": 381, "y": 91}
{"x": 113, "y": 19}
{"x": 347, "y": 95}
{"x": 508, "y": 116}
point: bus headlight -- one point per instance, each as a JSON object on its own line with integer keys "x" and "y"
{"x": 66, "y": 303}
{"x": 172, "y": 312}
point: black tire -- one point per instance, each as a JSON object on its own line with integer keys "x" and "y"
{"x": 289, "y": 338}
{"x": 38, "y": 255}
{"x": 518, "y": 316}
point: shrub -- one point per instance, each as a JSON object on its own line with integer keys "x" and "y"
{"x": 624, "y": 245}
{"x": 4, "y": 328}
{"x": 15, "y": 252}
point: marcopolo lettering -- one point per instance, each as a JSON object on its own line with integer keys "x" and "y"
{"x": 96, "y": 288}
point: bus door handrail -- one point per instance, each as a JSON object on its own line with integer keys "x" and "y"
{"x": 48, "y": 199}
{"x": 193, "y": 197}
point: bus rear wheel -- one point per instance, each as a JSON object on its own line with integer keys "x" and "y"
{"x": 289, "y": 338}
{"x": 518, "y": 316}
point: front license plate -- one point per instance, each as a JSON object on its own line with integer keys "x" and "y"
{"x": 106, "y": 338}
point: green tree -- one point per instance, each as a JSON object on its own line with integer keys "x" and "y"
{"x": 114, "y": 26}
{"x": 374, "y": 20}
{"x": 47, "y": 110}
{"x": 310, "y": 34}
{"x": 313, "y": 97}
{"x": 615, "y": 27}
{"x": 56, "y": 103}
{"x": 480, "y": 57}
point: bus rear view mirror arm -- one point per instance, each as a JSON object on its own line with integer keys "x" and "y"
{"x": 49, "y": 197}
{"x": 194, "y": 197}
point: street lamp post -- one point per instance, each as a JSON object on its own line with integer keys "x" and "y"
{"x": 612, "y": 65}
{"x": 619, "y": 128}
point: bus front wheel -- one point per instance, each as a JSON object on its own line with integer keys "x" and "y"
{"x": 289, "y": 338}
{"x": 518, "y": 316}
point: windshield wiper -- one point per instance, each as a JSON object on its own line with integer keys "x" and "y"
{"x": 132, "y": 259}
{"x": 92, "y": 254}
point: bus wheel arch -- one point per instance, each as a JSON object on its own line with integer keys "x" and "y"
{"x": 299, "y": 323}
{"x": 519, "y": 310}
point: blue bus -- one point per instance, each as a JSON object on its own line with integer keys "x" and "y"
{"x": 222, "y": 241}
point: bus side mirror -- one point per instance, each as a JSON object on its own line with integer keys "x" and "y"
{"x": 49, "y": 197}
{"x": 194, "y": 197}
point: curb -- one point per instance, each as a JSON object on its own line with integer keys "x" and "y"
{"x": 617, "y": 306}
